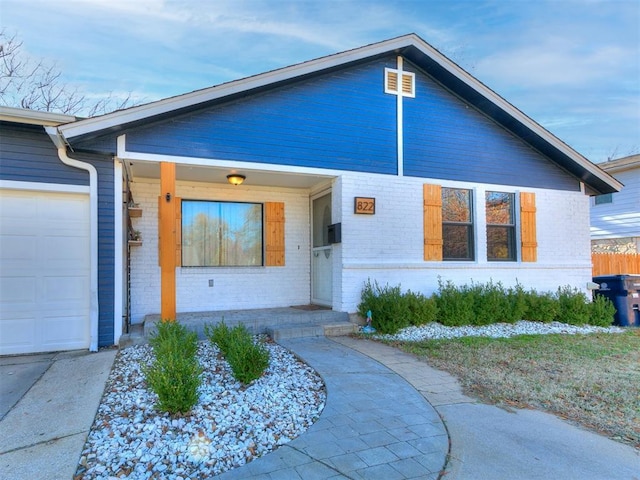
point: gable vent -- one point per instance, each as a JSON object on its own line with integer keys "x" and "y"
{"x": 407, "y": 84}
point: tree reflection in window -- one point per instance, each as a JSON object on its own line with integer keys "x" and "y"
{"x": 500, "y": 226}
{"x": 221, "y": 234}
{"x": 457, "y": 224}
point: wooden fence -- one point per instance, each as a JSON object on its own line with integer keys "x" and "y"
{"x": 615, "y": 263}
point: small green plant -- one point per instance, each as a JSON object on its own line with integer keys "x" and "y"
{"x": 174, "y": 374}
{"x": 219, "y": 335}
{"x": 455, "y": 304}
{"x": 248, "y": 360}
{"x": 540, "y": 307}
{"x": 573, "y": 306}
{"x": 601, "y": 311}
{"x": 422, "y": 309}
{"x": 390, "y": 311}
{"x": 491, "y": 304}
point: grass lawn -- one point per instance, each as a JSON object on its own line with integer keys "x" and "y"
{"x": 593, "y": 380}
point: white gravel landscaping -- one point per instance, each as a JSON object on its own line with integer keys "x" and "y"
{"x": 231, "y": 425}
{"x": 497, "y": 330}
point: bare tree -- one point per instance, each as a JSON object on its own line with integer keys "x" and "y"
{"x": 37, "y": 85}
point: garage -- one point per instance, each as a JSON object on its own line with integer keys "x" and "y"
{"x": 44, "y": 271}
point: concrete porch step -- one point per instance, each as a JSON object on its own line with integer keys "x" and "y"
{"x": 300, "y": 330}
{"x": 288, "y": 322}
{"x": 134, "y": 337}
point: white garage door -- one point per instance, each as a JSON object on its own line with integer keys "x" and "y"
{"x": 44, "y": 271}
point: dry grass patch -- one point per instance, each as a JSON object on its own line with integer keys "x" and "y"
{"x": 593, "y": 380}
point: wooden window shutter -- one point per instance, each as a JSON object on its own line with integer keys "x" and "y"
{"x": 528, "y": 227}
{"x": 274, "y": 234}
{"x": 432, "y": 196}
{"x": 178, "y": 231}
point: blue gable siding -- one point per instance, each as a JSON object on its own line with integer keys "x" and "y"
{"x": 341, "y": 120}
{"x": 446, "y": 139}
{"x": 28, "y": 155}
{"x": 106, "y": 245}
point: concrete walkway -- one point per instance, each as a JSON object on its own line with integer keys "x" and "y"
{"x": 488, "y": 442}
{"x": 48, "y": 404}
{"x": 382, "y": 420}
{"x": 374, "y": 425}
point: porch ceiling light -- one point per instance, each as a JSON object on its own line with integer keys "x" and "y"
{"x": 235, "y": 179}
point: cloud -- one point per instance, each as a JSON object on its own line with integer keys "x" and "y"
{"x": 554, "y": 64}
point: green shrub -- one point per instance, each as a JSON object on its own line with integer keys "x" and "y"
{"x": 174, "y": 374}
{"x": 390, "y": 310}
{"x": 247, "y": 360}
{"x": 491, "y": 304}
{"x": 573, "y": 306}
{"x": 516, "y": 299}
{"x": 601, "y": 311}
{"x": 422, "y": 310}
{"x": 540, "y": 307}
{"x": 455, "y": 305}
{"x": 219, "y": 335}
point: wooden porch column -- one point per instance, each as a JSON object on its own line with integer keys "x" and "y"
{"x": 167, "y": 240}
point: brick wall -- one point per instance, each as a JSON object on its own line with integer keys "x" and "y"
{"x": 388, "y": 246}
{"x": 233, "y": 288}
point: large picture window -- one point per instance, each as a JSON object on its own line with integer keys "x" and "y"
{"x": 457, "y": 224}
{"x": 221, "y": 234}
{"x": 501, "y": 226}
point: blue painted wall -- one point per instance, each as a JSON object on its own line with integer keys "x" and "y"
{"x": 344, "y": 121}
{"x": 341, "y": 120}
{"x": 28, "y": 155}
{"x": 106, "y": 244}
{"x": 446, "y": 139}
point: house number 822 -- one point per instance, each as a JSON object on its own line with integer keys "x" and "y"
{"x": 365, "y": 205}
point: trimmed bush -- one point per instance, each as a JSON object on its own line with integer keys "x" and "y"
{"x": 540, "y": 307}
{"x": 174, "y": 374}
{"x": 455, "y": 304}
{"x": 601, "y": 311}
{"x": 422, "y": 310}
{"x": 479, "y": 304}
{"x": 248, "y": 360}
{"x": 390, "y": 311}
{"x": 573, "y": 306}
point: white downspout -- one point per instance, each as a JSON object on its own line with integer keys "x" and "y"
{"x": 93, "y": 231}
{"x": 93, "y": 221}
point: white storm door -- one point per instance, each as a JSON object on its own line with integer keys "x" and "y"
{"x": 44, "y": 271}
{"x": 322, "y": 255}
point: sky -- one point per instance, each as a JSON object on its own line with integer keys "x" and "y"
{"x": 573, "y": 66}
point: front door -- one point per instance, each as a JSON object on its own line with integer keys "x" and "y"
{"x": 321, "y": 262}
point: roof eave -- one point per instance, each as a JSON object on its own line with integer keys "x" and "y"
{"x": 417, "y": 50}
{"x": 33, "y": 117}
{"x": 187, "y": 100}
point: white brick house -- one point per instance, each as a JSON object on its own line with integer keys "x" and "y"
{"x": 388, "y": 162}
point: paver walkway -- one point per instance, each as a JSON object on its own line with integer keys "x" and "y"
{"x": 488, "y": 442}
{"x": 374, "y": 425}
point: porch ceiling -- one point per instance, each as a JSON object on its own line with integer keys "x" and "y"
{"x": 206, "y": 174}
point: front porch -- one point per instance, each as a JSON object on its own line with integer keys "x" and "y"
{"x": 278, "y": 323}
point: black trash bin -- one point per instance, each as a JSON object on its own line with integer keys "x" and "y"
{"x": 624, "y": 292}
